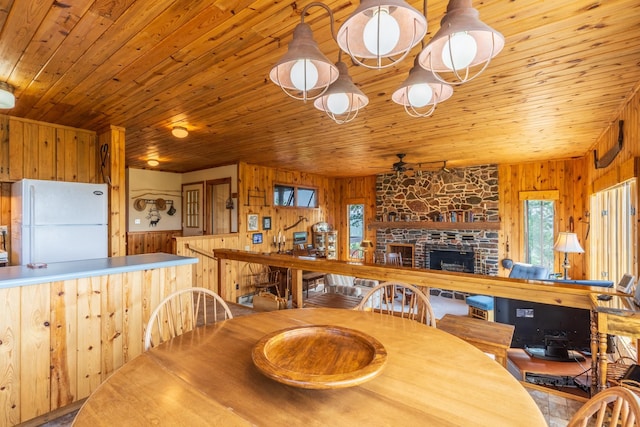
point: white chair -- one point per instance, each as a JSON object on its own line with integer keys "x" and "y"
{"x": 409, "y": 302}
{"x": 183, "y": 310}
{"x": 615, "y": 406}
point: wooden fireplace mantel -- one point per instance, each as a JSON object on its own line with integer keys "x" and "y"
{"x": 434, "y": 225}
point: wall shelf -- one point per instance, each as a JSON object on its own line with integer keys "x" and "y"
{"x": 434, "y": 225}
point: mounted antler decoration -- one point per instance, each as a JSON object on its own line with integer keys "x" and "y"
{"x": 606, "y": 160}
{"x": 300, "y": 219}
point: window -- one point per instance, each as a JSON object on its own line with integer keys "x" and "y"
{"x": 288, "y": 195}
{"x": 539, "y": 232}
{"x": 192, "y": 217}
{"x": 356, "y": 230}
{"x": 612, "y": 237}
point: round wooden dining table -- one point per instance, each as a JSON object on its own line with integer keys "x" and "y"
{"x": 208, "y": 377}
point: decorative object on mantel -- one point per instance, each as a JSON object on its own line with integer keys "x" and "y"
{"x": 436, "y": 225}
{"x": 608, "y": 157}
{"x": 567, "y": 243}
{"x": 379, "y": 34}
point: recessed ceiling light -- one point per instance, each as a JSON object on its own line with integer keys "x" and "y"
{"x": 179, "y": 132}
{"x": 153, "y": 162}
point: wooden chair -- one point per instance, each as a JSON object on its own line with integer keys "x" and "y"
{"x": 393, "y": 258}
{"x": 260, "y": 278}
{"x": 615, "y": 406}
{"x": 183, "y": 310}
{"x": 409, "y": 302}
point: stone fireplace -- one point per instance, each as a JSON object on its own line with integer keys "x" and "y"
{"x": 412, "y": 210}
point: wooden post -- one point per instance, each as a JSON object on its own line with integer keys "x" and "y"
{"x": 111, "y": 149}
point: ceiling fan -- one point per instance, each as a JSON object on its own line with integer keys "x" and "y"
{"x": 401, "y": 166}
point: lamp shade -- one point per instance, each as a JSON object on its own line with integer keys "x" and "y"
{"x": 7, "y": 99}
{"x": 462, "y": 42}
{"x": 343, "y": 99}
{"x": 380, "y": 29}
{"x": 366, "y": 244}
{"x": 303, "y": 69}
{"x": 421, "y": 92}
{"x": 567, "y": 243}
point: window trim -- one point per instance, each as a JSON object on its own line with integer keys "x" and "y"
{"x": 295, "y": 196}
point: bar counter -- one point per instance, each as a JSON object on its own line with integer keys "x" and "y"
{"x": 567, "y": 295}
{"x": 65, "y": 328}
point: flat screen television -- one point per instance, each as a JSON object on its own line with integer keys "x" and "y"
{"x": 546, "y": 331}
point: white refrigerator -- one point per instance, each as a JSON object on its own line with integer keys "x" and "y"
{"x": 54, "y": 221}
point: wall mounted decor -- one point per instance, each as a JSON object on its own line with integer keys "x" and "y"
{"x": 252, "y": 222}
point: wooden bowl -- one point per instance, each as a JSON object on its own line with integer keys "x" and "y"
{"x": 319, "y": 357}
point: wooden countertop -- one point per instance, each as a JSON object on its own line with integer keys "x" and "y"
{"x": 21, "y": 275}
{"x": 528, "y": 290}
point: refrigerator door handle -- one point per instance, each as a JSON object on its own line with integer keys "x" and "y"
{"x": 32, "y": 221}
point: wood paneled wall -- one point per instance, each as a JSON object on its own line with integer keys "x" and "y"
{"x": 148, "y": 242}
{"x": 38, "y": 150}
{"x": 60, "y": 340}
{"x": 568, "y": 177}
{"x": 360, "y": 190}
{"x": 625, "y": 165}
{"x": 258, "y": 180}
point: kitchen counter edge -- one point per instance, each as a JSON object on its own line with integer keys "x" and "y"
{"x": 21, "y": 275}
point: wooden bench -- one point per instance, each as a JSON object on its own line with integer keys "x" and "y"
{"x": 490, "y": 337}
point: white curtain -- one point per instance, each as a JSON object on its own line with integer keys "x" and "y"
{"x": 612, "y": 234}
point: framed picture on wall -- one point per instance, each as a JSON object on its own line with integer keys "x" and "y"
{"x": 252, "y": 222}
{"x": 266, "y": 223}
{"x": 257, "y": 238}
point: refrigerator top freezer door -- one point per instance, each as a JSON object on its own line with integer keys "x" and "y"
{"x": 63, "y": 203}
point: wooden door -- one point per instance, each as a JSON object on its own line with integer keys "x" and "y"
{"x": 218, "y": 217}
{"x": 192, "y": 208}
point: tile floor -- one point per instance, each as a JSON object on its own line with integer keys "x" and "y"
{"x": 557, "y": 410}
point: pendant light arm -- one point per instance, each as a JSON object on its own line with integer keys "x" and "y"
{"x": 325, "y": 7}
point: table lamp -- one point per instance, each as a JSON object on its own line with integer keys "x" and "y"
{"x": 567, "y": 243}
{"x": 366, "y": 245}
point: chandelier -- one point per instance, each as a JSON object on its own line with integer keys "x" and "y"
{"x": 380, "y": 34}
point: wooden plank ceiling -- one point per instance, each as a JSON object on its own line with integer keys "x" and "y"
{"x": 566, "y": 70}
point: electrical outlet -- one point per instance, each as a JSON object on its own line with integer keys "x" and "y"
{"x": 237, "y": 286}
{"x": 4, "y": 229}
{"x": 136, "y": 221}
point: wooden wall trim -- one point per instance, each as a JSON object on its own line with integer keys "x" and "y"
{"x": 539, "y": 195}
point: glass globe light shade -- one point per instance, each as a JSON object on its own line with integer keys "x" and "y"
{"x": 382, "y": 33}
{"x": 338, "y": 103}
{"x": 420, "y": 95}
{"x": 462, "y": 48}
{"x": 301, "y": 68}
